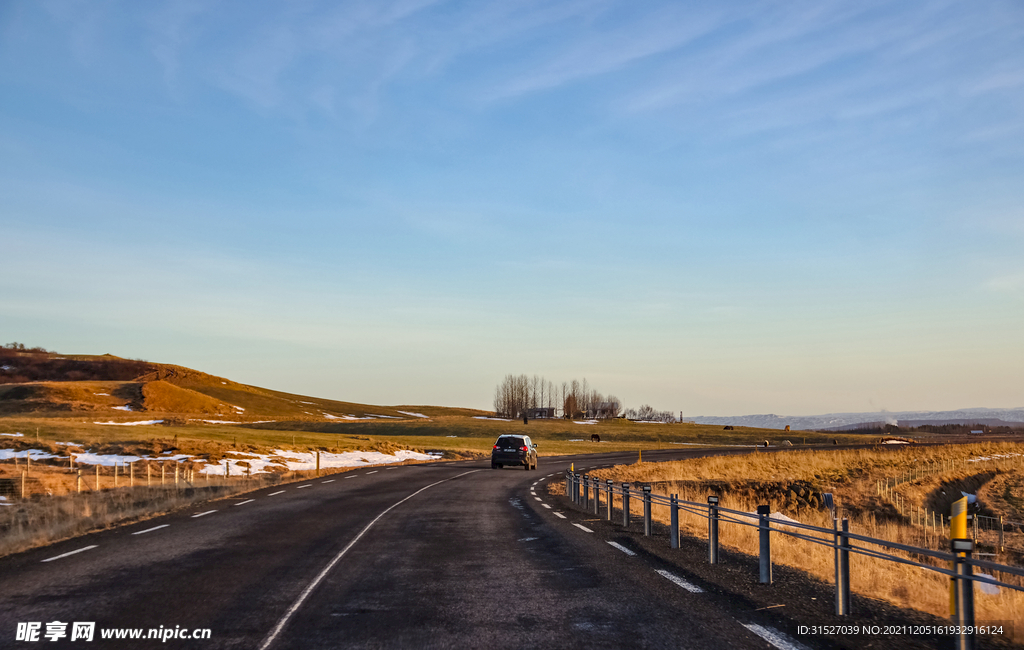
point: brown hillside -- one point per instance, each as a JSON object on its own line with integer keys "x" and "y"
{"x": 167, "y": 398}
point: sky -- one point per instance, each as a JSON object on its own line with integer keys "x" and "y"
{"x": 711, "y": 208}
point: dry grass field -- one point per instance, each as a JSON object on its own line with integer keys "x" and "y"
{"x": 791, "y": 482}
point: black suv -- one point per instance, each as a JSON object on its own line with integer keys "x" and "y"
{"x": 514, "y": 450}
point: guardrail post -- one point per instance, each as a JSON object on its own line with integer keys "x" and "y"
{"x": 608, "y": 516}
{"x": 586, "y": 492}
{"x": 1000, "y": 533}
{"x": 764, "y": 534}
{"x": 713, "y": 529}
{"x": 963, "y": 593}
{"x": 842, "y": 546}
{"x": 625, "y": 505}
{"x": 673, "y": 531}
{"x": 647, "y": 510}
{"x": 568, "y": 492}
{"x": 597, "y": 496}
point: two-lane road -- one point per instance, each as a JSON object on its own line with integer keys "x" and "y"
{"x": 440, "y": 555}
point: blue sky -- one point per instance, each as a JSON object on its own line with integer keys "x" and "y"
{"x": 714, "y": 208}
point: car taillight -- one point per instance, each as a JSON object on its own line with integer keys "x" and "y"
{"x": 495, "y": 446}
{"x": 524, "y": 448}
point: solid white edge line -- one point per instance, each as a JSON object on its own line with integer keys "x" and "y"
{"x": 329, "y": 481}
{"x": 560, "y": 515}
{"x": 582, "y": 527}
{"x": 273, "y": 494}
{"x": 320, "y": 576}
{"x": 689, "y": 586}
{"x": 203, "y": 514}
{"x": 774, "y": 637}
{"x": 245, "y": 502}
{"x": 57, "y": 557}
{"x": 149, "y": 530}
{"x": 304, "y": 486}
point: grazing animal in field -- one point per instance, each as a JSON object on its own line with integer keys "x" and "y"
{"x": 765, "y": 443}
{"x": 834, "y": 441}
{"x": 787, "y": 427}
{"x": 728, "y": 427}
{"x": 595, "y": 438}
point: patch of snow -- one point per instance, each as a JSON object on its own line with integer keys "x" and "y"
{"x": 224, "y": 382}
{"x": 971, "y": 498}
{"x": 6, "y": 368}
{"x": 451, "y": 436}
{"x": 584, "y": 422}
{"x": 648, "y": 422}
{"x": 484, "y": 417}
{"x": 393, "y": 417}
{"x": 984, "y": 586}
{"x": 13, "y": 435}
{"x": 895, "y": 442}
{"x": 415, "y": 415}
{"x": 239, "y": 409}
{"x": 297, "y": 460}
{"x": 218, "y": 421}
{"x": 576, "y": 440}
{"x": 34, "y": 454}
{"x": 103, "y": 394}
{"x": 126, "y": 407}
{"x": 131, "y": 424}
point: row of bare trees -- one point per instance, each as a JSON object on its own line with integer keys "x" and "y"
{"x": 573, "y": 399}
{"x": 647, "y": 413}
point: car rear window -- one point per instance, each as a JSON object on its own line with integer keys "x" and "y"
{"x": 506, "y": 442}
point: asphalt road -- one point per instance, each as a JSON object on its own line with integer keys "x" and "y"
{"x": 446, "y": 555}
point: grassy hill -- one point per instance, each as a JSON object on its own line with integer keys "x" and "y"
{"x": 89, "y": 399}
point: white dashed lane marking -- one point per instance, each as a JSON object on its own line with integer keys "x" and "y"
{"x": 57, "y": 557}
{"x": 560, "y": 515}
{"x": 583, "y": 528}
{"x": 245, "y": 502}
{"x": 546, "y": 506}
{"x": 331, "y": 480}
{"x": 373, "y": 472}
{"x": 350, "y": 477}
{"x": 622, "y": 548}
{"x": 304, "y": 486}
{"x": 150, "y": 530}
{"x": 203, "y": 514}
{"x": 538, "y": 498}
{"x": 774, "y": 637}
{"x": 690, "y": 587}
{"x": 275, "y": 493}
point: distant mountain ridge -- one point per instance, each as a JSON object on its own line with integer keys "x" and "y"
{"x": 838, "y": 421}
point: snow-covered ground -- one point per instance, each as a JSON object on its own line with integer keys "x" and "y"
{"x": 126, "y": 407}
{"x": 298, "y": 460}
{"x": 484, "y": 417}
{"x": 13, "y": 435}
{"x": 292, "y": 460}
{"x": 831, "y": 420}
{"x": 584, "y": 421}
{"x": 415, "y": 415}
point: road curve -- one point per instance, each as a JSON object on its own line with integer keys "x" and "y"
{"x": 443, "y": 555}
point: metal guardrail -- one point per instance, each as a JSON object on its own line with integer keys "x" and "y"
{"x": 579, "y": 487}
